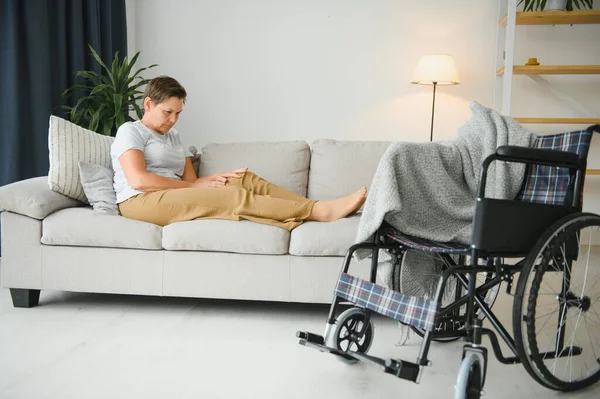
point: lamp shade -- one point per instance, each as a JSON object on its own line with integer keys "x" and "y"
{"x": 438, "y": 68}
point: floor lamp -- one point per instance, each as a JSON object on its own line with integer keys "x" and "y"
{"x": 435, "y": 69}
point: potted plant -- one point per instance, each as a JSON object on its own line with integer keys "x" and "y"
{"x": 108, "y": 99}
{"x": 556, "y": 5}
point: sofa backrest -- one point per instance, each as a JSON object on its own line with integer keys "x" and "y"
{"x": 282, "y": 163}
{"x": 338, "y": 168}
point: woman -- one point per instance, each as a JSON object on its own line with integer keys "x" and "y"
{"x": 155, "y": 181}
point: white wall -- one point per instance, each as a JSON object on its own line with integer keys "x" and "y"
{"x": 307, "y": 69}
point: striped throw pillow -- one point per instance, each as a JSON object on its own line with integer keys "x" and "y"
{"x": 68, "y": 145}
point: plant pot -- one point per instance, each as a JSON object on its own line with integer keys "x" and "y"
{"x": 556, "y": 5}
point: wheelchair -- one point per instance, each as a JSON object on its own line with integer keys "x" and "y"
{"x": 542, "y": 237}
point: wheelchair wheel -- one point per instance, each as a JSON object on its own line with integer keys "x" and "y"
{"x": 469, "y": 381}
{"x": 430, "y": 267}
{"x": 556, "y": 313}
{"x": 345, "y": 335}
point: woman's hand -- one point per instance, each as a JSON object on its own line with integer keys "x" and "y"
{"x": 218, "y": 180}
{"x": 234, "y": 173}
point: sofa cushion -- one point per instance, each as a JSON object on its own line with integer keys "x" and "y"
{"x": 33, "y": 198}
{"x": 226, "y": 236}
{"x": 97, "y": 182}
{"x": 69, "y": 144}
{"x": 324, "y": 239}
{"x": 282, "y": 163}
{"x": 338, "y": 168}
{"x": 84, "y": 227}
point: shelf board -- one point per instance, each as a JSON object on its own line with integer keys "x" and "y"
{"x": 553, "y": 70}
{"x": 575, "y": 121}
{"x": 556, "y": 70}
{"x": 593, "y": 172}
{"x": 556, "y": 18}
{"x": 559, "y": 17}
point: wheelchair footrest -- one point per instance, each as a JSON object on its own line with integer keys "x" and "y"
{"x": 310, "y": 337}
{"x": 401, "y": 369}
{"x": 412, "y": 310}
{"x": 315, "y": 341}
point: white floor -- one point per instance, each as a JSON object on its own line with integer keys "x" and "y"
{"x": 114, "y": 346}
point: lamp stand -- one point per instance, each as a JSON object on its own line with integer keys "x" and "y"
{"x": 432, "y": 112}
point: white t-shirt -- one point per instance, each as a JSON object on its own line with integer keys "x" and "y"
{"x": 164, "y": 154}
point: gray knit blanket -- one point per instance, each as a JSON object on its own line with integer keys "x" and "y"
{"x": 428, "y": 189}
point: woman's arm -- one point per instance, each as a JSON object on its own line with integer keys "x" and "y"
{"x": 133, "y": 165}
{"x": 189, "y": 174}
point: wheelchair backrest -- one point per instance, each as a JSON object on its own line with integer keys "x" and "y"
{"x": 549, "y": 184}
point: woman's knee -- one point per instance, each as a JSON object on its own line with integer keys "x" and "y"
{"x": 246, "y": 181}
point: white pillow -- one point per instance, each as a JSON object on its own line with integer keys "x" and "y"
{"x": 69, "y": 144}
{"x": 98, "y": 186}
{"x": 283, "y": 163}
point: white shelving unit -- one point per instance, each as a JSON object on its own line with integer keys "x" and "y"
{"x": 509, "y": 19}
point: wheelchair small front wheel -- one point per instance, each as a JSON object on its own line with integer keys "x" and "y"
{"x": 469, "y": 382}
{"x": 349, "y": 333}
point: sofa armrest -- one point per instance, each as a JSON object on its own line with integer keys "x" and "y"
{"x": 33, "y": 198}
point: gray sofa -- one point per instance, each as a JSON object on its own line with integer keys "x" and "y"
{"x": 52, "y": 242}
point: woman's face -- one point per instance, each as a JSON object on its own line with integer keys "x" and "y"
{"x": 163, "y": 116}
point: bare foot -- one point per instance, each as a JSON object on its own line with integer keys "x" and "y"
{"x": 329, "y": 211}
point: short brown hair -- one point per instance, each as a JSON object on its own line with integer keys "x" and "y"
{"x": 161, "y": 88}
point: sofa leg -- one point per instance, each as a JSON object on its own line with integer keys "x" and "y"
{"x": 24, "y": 298}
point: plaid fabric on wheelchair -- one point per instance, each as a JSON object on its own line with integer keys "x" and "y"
{"x": 549, "y": 184}
{"x": 407, "y": 309}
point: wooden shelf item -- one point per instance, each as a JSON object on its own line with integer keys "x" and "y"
{"x": 556, "y": 18}
{"x": 593, "y": 172}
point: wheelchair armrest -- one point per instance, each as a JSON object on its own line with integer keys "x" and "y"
{"x": 538, "y": 156}
{"x": 529, "y": 156}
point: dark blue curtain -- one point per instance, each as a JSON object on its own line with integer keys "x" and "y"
{"x": 42, "y": 44}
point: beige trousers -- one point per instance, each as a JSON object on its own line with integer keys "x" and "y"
{"x": 249, "y": 197}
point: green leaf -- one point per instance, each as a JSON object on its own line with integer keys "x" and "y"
{"x": 143, "y": 69}
{"x": 98, "y": 59}
{"x": 94, "y": 122}
{"x": 114, "y": 78}
{"x": 92, "y": 77}
{"x": 121, "y": 76}
{"x": 120, "y": 119}
{"x": 68, "y": 92}
{"x": 97, "y": 117}
{"x": 138, "y": 111}
{"x": 107, "y": 127}
{"x": 140, "y": 84}
{"x": 75, "y": 116}
{"x": 131, "y": 63}
{"x": 100, "y": 88}
{"x": 118, "y": 104}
